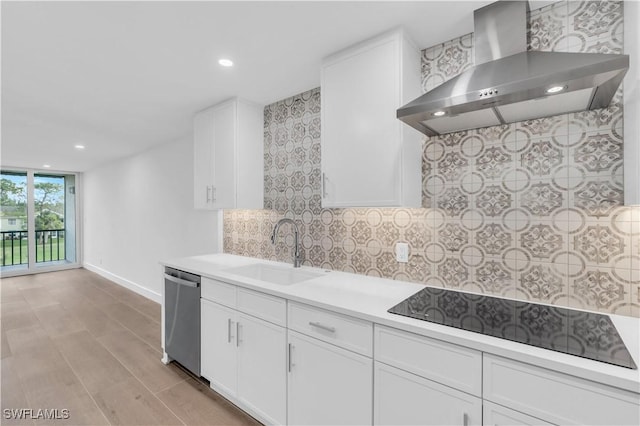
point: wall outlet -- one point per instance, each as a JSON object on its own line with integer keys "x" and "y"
{"x": 402, "y": 252}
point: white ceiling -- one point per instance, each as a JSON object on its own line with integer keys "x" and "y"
{"x": 120, "y": 77}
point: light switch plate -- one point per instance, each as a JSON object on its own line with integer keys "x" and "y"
{"x": 402, "y": 252}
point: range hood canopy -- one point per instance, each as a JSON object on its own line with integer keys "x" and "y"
{"x": 510, "y": 84}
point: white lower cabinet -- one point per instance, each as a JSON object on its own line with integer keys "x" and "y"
{"x": 262, "y": 373}
{"x": 328, "y": 385}
{"x": 419, "y": 380}
{"x": 497, "y": 415}
{"x": 403, "y": 398}
{"x": 218, "y": 361}
{"x": 452, "y": 365}
{"x": 556, "y": 397}
{"x": 243, "y": 358}
{"x": 285, "y": 362}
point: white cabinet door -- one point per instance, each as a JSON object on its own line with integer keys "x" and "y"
{"x": 327, "y": 385}
{"x": 262, "y": 374}
{"x": 202, "y": 159}
{"x": 403, "y": 398}
{"x": 497, "y": 415}
{"x": 228, "y": 147}
{"x": 218, "y": 346}
{"x": 224, "y": 156}
{"x": 369, "y": 158}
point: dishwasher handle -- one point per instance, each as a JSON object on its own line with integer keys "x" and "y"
{"x": 181, "y": 281}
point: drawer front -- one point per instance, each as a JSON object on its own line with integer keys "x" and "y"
{"x": 555, "y": 397}
{"x": 497, "y": 415}
{"x": 341, "y": 330}
{"x": 264, "y": 306}
{"x": 219, "y": 292}
{"x": 402, "y": 398}
{"x": 451, "y": 365}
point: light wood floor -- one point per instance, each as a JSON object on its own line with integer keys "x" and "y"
{"x": 74, "y": 340}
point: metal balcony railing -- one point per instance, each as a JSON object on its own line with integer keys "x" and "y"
{"x": 50, "y": 246}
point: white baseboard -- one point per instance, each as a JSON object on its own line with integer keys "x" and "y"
{"x": 141, "y": 290}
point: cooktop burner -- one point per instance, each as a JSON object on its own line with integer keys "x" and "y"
{"x": 584, "y": 334}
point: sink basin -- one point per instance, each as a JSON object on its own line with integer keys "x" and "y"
{"x": 274, "y": 274}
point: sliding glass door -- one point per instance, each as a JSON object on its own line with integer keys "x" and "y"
{"x": 13, "y": 220}
{"x": 38, "y": 221}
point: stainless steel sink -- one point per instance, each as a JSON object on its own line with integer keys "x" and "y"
{"x": 274, "y": 274}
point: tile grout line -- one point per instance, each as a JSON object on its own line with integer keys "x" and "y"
{"x": 127, "y": 328}
{"x": 145, "y": 343}
{"x": 75, "y": 373}
{"x": 117, "y": 320}
{"x": 170, "y": 386}
{"x": 20, "y": 383}
{"x": 124, "y": 301}
{"x": 85, "y": 388}
{"x": 115, "y": 357}
{"x": 26, "y": 397}
{"x": 143, "y": 384}
{"x": 125, "y": 367}
{"x": 71, "y": 367}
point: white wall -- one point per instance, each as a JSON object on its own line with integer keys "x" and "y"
{"x": 138, "y": 211}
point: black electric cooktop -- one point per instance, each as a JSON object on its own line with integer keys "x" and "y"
{"x": 584, "y": 334}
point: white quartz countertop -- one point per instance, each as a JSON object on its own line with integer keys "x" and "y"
{"x": 369, "y": 298}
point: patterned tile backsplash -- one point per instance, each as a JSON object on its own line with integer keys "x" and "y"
{"x": 531, "y": 210}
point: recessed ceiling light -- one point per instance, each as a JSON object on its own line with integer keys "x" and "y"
{"x": 439, "y": 113}
{"x": 556, "y": 89}
{"x": 79, "y": 146}
{"x": 225, "y": 62}
{"x": 46, "y": 166}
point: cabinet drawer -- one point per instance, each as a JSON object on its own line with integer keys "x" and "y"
{"x": 497, "y": 415}
{"x": 555, "y": 397}
{"x": 219, "y": 292}
{"x": 402, "y": 398}
{"x": 261, "y": 305}
{"x": 449, "y": 364}
{"x": 341, "y": 330}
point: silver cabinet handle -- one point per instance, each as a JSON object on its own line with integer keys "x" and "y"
{"x": 229, "y": 330}
{"x": 322, "y": 326}
{"x": 181, "y": 281}
{"x": 208, "y": 196}
{"x": 465, "y": 419}
{"x": 324, "y": 185}
{"x": 238, "y": 327}
{"x": 289, "y": 357}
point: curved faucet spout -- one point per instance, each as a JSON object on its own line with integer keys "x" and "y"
{"x": 297, "y": 258}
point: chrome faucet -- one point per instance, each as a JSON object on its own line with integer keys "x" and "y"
{"x": 297, "y": 258}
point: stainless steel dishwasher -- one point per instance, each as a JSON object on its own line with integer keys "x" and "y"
{"x": 182, "y": 318}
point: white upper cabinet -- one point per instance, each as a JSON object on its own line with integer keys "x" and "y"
{"x": 228, "y": 156}
{"x": 631, "y": 109}
{"x": 369, "y": 158}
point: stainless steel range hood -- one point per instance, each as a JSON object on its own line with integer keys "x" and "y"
{"x": 510, "y": 84}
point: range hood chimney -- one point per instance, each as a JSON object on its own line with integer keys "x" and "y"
{"x": 509, "y": 83}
